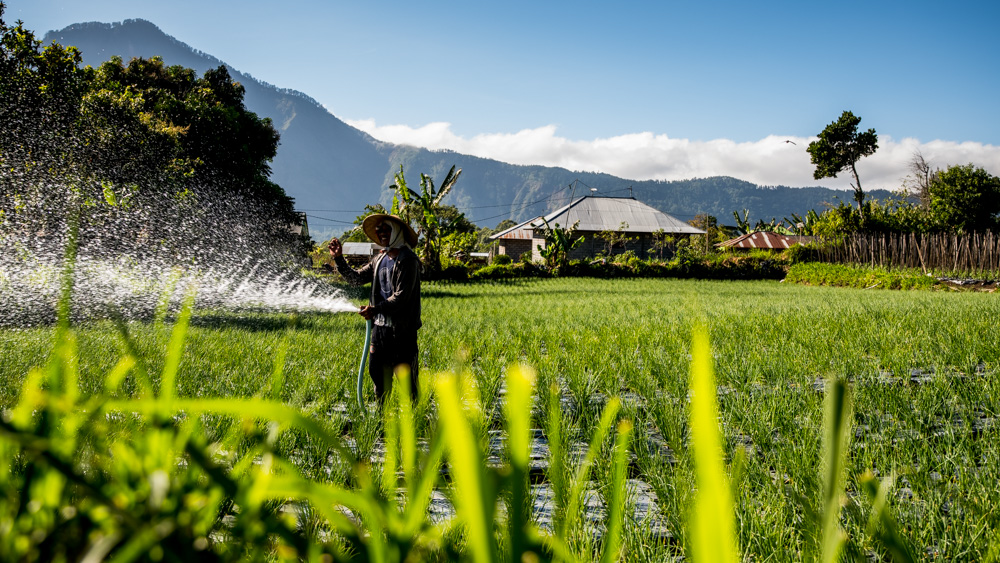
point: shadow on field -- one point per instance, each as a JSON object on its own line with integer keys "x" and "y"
{"x": 515, "y": 283}
{"x": 262, "y": 322}
{"x": 443, "y": 293}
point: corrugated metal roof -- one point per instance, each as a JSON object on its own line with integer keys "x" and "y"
{"x": 522, "y": 231}
{"x": 598, "y": 214}
{"x": 608, "y": 213}
{"x": 763, "y": 239}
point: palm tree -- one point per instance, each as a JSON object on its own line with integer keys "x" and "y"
{"x": 422, "y": 208}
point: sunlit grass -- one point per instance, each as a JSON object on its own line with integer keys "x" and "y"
{"x": 774, "y": 347}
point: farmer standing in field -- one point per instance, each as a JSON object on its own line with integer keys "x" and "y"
{"x": 394, "y": 305}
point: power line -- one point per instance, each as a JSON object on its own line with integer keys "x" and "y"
{"x": 508, "y": 213}
{"x": 329, "y": 220}
{"x": 333, "y": 210}
{"x": 522, "y": 208}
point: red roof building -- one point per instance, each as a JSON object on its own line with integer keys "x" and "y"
{"x": 764, "y": 239}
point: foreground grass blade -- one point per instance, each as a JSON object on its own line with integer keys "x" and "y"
{"x": 616, "y": 508}
{"x": 407, "y": 427}
{"x": 420, "y": 498}
{"x": 557, "y": 459}
{"x": 472, "y": 500}
{"x": 520, "y": 389}
{"x": 576, "y": 494}
{"x": 712, "y": 520}
{"x": 175, "y": 349}
{"x": 390, "y": 463}
{"x": 251, "y": 409}
{"x": 836, "y": 436}
{"x": 881, "y": 524}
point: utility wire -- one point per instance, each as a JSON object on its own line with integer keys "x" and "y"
{"x": 522, "y": 207}
{"x": 328, "y": 219}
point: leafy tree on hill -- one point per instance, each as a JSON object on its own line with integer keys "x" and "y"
{"x": 219, "y": 142}
{"x": 964, "y": 198}
{"x": 839, "y": 148}
{"x": 128, "y": 137}
{"x": 40, "y": 93}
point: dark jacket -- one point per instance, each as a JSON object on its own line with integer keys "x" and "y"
{"x": 403, "y": 306}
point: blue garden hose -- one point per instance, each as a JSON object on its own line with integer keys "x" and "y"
{"x": 364, "y": 358}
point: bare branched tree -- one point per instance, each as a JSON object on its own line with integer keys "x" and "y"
{"x": 919, "y": 180}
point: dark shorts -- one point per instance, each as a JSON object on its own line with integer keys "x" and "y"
{"x": 391, "y": 347}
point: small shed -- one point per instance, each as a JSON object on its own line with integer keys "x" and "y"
{"x": 479, "y": 257}
{"x": 595, "y": 215}
{"x": 764, "y": 239}
{"x": 519, "y": 239}
{"x": 360, "y": 252}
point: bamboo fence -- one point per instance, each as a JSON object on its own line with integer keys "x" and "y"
{"x": 975, "y": 254}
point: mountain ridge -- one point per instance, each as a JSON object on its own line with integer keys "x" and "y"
{"x": 333, "y": 170}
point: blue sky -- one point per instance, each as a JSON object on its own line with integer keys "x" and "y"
{"x": 637, "y": 89}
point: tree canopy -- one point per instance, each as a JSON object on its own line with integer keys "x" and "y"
{"x": 839, "y": 148}
{"x": 964, "y": 198}
{"x": 130, "y": 136}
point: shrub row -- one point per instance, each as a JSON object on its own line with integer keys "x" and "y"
{"x": 722, "y": 267}
{"x": 841, "y": 275}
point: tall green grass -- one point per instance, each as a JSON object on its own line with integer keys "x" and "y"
{"x": 920, "y": 464}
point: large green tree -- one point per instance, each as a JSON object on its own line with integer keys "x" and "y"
{"x": 155, "y": 156}
{"x": 964, "y": 198}
{"x": 839, "y": 148}
{"x": 40, "y": 93}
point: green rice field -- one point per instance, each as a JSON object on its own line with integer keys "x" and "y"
{"x": 922, "y": 367}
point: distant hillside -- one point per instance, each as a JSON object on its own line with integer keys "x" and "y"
{"x": 333, "y": 170}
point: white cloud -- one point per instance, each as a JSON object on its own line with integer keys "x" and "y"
{"x": 645, "y": 156}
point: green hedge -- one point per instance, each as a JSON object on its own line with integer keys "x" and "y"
{"x": 719, "y": 267}
{"x": 841, "y": 275}
{"x": 508, "y": 271}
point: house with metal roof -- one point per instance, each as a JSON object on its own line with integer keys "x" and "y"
{"x": 595, "y": 215}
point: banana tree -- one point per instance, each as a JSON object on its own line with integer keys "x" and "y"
{"x": 803, "y": 225}
{"x": 558, "y": 244}
{"x": 742, "y": 223}
{"x": 421, "y": 207}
